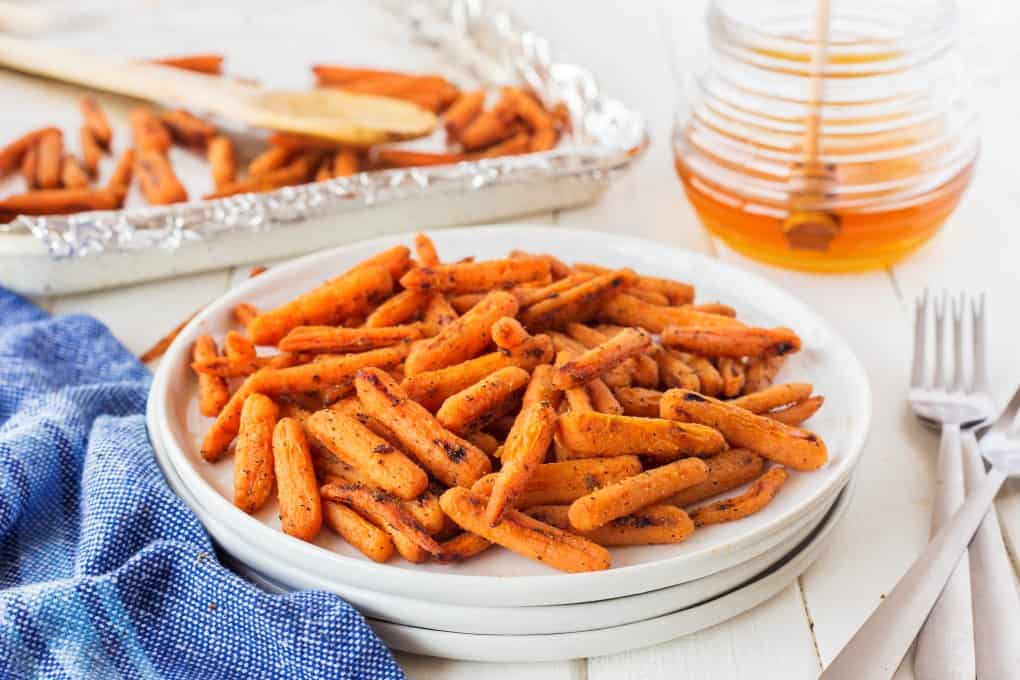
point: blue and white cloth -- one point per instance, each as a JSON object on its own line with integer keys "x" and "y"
{"x": 104, "y": 572}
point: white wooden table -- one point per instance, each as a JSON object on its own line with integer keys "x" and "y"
{"x": 638, "y": 49}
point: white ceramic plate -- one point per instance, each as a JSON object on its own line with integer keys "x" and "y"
{"x": 498, "y": 577}
{"x": 613, "y": 639}
{"x": 252, "y": 563}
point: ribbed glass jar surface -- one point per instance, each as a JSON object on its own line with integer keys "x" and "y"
{"x": 898, "y": 136}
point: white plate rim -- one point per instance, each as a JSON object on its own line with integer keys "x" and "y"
{"x": 488, "y": 590}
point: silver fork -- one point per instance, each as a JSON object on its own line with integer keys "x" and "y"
{"x": 877, "y": 648}
{"x": 945, "y": 647}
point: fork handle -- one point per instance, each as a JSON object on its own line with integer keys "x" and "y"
{"x": 876, "y": 650}
{"x": 945, "y": 647}
{"x": 996, "y": 608}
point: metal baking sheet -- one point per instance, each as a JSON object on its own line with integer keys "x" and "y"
{"x": 478, "y": 44}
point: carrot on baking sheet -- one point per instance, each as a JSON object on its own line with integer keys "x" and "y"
{"x": 72, "y": 174}
{"x": 51, "y": 157}
{"x": 209, "y": 64}
{"x": 633, "y": 493}
{"x": 297, "y": 171}
{"x": 11, "y": 155}
{"x": 352, "y": 293}
{"x": 346, "y": 163}
{"x": 156, "y": 177}
{"x": 59, "y": 202}
{"x": 726, "y": 471}
{"x": 148, "y": 131}
{"x": 253, "y": 456}
{"x": 90, "y": 151}
{"x": 188, "y": 129}
{"x": 449, "y": 458}
{"x": 30, "y": 168}
{"x": 518, "y": 143}
{"x": 213, "y": 394}
{"x": 490, "y": 126}
{"x": 462, "y": 113}
{"x": 96, "y": 122}
{"x": 405, "y": 158}
{"x": 525, "y": 535}
{"x": 757, "y": 496}
{"x": 273, "y": 158}
{"x": 588, "y": 433}
{"x": 120, "y": 180}
{"x": 297, "y": 490}
{"x": 222, "y": 161}
{"x": 651, "y": 525}
{"x": 791, "y": 446}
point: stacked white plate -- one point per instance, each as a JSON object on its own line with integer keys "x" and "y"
{"x": 500, "y": 606}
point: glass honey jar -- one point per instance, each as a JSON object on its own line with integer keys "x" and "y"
{"x": 896, "y": 141}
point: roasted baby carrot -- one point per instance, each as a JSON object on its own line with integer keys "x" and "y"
{"x": 425, "y": 249}
{"x": 120, "y": 181}
{"x": 463, "y": 338}
{"x": 525, "y": 535}
{"x": 508, "y": 333}
{"x": 156, "y": 177}
{"x": 564, "y": 482}
{"x": 212, "y": 391}
{"x": 757, "y": 496}
{"x": 733, "y": 375}
{"x": 473, "y": 407}
{"x": 462, "y": 113}
{"x": 438, "y": 313}
{"x": 578, "y": 304}
{"x": 633, "y": 493}
{"x": 236, "y": 346}
{"x": 297, "y": 489}
{"x": 598, "y": 360}
{"x": 638, "y": 401}
{"x": 30, "y": 168}
{"x": 90, "y": 150}
{"x": 188, "y": 129}
{"x": 386, "y": 467}
{"x": 795, "y": 414}
{"x": 405, "y": 305}
{"x": 72, "y": 175}
{"x": 244, "y": 313}
{"x": 273, "y": 158}
{"x": 352, "y": 293}
{"x": 346, "y": 163}
{"x": 253, "y": 455}
{"x": 148, "y": 132}
{"x": 405, "y": 158}
{"x": 385, "y": 509}
{"x": 222, "y": 161}
{"x": 774, "y": 397}
{"x": 627, "y": 310}
{"x": 461, "y": 547}
{"x": 96, "y": 122}
{"x": 732, "y": 342}
{"x": 449, "y": 458}
{"x": 335, "y": 339}
{"x": 51, "y": 157}
{"x": 653, "y": 525}
{"x": 790, "y": 446}
{"x": 598, "y": 434}
{"x": 11, "y": 155}
{"x": 490, "y": 126}
{"x": 370, "y": 540}
{"x": 485, "y": 275}
{"x": 726, "y": 471}
{"x": 761, "y": 371}
{"x": 59, "y": 202}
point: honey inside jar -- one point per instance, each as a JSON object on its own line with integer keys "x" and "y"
{"x": 896, "y": 145}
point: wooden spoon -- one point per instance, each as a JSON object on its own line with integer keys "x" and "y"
{"x": 354, "y": 119}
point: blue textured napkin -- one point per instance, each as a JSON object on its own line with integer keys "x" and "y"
{"x": 104, "y": 572}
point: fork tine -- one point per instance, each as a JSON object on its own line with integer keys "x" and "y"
{"x": 979, "y": 336}
{"x": 920, "y": 328}
{"x": 939, "y": 381}
{"x": 957, "y": 306}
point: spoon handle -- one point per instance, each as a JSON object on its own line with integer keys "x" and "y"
{"x": 136, "y": 79}
{"x": 876, "y": 650}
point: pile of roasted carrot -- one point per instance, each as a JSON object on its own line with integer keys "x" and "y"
{"x": 435, "y": 409}
{"x": 58, "y": 182}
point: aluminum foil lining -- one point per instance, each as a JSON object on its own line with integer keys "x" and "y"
{"x": 605, "y": 137}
